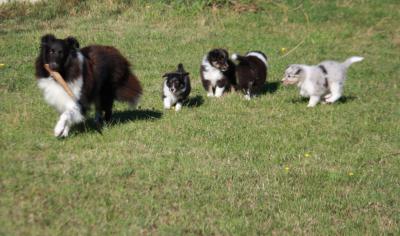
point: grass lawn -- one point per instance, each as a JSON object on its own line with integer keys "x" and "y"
{"x": 221, "y": 166}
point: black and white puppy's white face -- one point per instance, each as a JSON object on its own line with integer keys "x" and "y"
{"x": 58, "y": 52}
{"x": 218, "y": 58}
{"x": 175, "y": 81}
{"x": 293, "y": 75}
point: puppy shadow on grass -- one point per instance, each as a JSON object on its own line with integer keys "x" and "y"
{"x": 270, "y": 87}
{"x": 343, "y": 99}
{"x": 194, "y": 101}
{"x": 118, "y": 117}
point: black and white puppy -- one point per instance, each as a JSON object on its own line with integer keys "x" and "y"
{"x": 217, "y": 72}
{"x": 325, "y": 79}
{"x": 251, "y": 72}
{"x": 176, "y": 88}
{"x": 95, "y": 74}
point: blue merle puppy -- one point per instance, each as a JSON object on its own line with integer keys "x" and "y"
{"x": 176, "y": 88}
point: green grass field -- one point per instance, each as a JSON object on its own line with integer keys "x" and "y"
{"x": 221, "y": 166}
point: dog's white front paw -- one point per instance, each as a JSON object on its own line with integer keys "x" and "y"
{"x": 178, "y": 107}
{"x": 210, "y": 95}
{"x": 330, "y": 100}
{"x": 65, "y": 131}
{"x": 167, "y": 103}
{"x": 219, "y": 91}
{"x": 247, "y": 97}
{"x": 59, "y": 129}
{"x": 167, "y": 106}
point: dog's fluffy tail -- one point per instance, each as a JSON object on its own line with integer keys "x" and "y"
{"x": 129, "y": 91}
{"x": 180, "y": 68}
{"x": 347, "y": 63}
{"x": 237, "y": 57}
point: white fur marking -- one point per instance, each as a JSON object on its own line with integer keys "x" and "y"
{"x": 55, "y": 95}
{"x": 170, "y": 99}
{"x": 178, "y": 106}
{"x": 219, "y": 91}
{"x": 259, "y": 56}
{"x": 211, "y": 73}
{"x": 234, "y": 56}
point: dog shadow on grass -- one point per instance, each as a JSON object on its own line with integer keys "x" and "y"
{"x": 270, "y": 87}
{"x": 118, "y": 117}
{"x": 194, "y": 101}
{"x": 343, "y": 99}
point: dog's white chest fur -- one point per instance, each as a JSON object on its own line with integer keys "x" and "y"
{"x": 307, "y": 88}
{"x": 169, "y": 95}
{"x": 55, "y": 95}
{"x": 211, "y": 73}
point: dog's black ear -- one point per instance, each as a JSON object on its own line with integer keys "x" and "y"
{"x": 72, "y": 42}
{"x": 166, "y": 75}
{"x": 299, "y": 70}
{"x": 212, "y": 54}
{"x": 47, "y": 39}
{"x": 226, "y": 54}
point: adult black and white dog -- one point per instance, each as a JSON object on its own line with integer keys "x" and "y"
{"x": 176, "y": 88}
{"x": 325, "y": 79}
{"x": 95, "y": 74}
{"x": 251, "y": 72}
{"x": 217, "y": 72}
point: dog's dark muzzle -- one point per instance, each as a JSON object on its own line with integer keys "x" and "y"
{"x": 53, "y": 66}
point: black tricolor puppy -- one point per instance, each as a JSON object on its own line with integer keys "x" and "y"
{"x": 217, "y": 72}
{"x": 176, "y": 88}
{"x": 251, "y": 72}
{"x": 96, "y": 74}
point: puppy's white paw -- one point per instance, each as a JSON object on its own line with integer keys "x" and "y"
{"x": 219, "y": 91}
{"x": 210, "y": 95}
{"x": 65, "y": 132}
{"x": 247, "y": 97}
{"x": 330, "y": 100}
{"x": 59, "y": 129}
{"x": 178, "y": 107}
{"x": 167, "y": 103}
{"x": 311, "y": 105}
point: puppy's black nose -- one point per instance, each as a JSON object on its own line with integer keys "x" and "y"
{"x": 53, "y": 66}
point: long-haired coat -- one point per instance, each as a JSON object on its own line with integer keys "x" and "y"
{"x": 251, "y": 72}
{"x": 325, "y": 79}
{"x": 96, "y": 75}
{"x": 217, "y": 72}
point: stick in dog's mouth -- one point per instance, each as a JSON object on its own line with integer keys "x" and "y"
{"x": 60, "y": 80}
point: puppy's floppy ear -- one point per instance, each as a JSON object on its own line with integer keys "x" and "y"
{"x": 47, "y": 39}
{"x": 298, "y": 71}
{"x": 72, "y": 42}
{"x": 166, "y": 75}
{"x": 225, "y": 53}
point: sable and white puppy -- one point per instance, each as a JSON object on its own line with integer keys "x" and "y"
{"x": 95, "y": 74}
{"x": 176, "y": 88}
{"x": 325, "y": 79}
{"x": 251, "y": 72}
{"x": 217, "y": 72}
